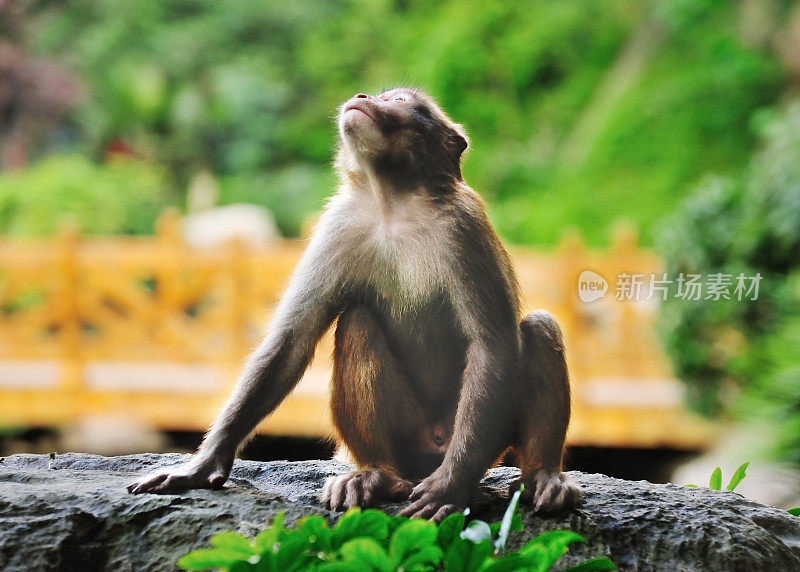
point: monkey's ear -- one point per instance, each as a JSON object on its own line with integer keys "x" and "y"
{"x": 457, "y": 143}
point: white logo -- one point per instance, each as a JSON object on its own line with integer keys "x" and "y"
{"x": 591, "y": 286}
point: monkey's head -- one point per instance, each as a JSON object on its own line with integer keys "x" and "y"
{"x": 400, "y": 134}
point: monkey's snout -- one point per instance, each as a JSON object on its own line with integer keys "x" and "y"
{"x": 361, "y": 96}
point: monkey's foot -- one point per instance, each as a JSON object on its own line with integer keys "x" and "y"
{"x": 211, "y": 475}
{"x": 434, "y": 500}
{"x": 548, "y": 491}
{"x": 363, "y": 488}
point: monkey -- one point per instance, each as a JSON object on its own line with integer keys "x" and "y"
{"x": 435, "y": 375}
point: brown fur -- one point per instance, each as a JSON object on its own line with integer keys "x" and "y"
{"x": 434, "y": 374}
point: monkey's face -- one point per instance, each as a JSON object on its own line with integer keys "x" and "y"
{"x": 401, "y": 132}
{"x": 372, "y": 126}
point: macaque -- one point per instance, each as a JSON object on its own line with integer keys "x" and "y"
{"x": 434, "y": 374}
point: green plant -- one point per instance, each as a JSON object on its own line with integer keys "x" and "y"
{"x": 372, "y": 540}
{"x": 715, "y": 483}
{"x": 122, "y": 197}
{"x": 794, "y": 511}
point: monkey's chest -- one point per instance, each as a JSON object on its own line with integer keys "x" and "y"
{"x": 408, "y": 270}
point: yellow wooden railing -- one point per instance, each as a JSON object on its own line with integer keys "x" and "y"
{"x": 151, "y": 329}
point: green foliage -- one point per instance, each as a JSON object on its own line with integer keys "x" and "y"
{"x": 794, "y": 511}
{"x": 119, "y": 197}
{"x": 715, "y": 483}
{"x": 564, "y": 129}
{"x": 370, "y": 540}
{"x": 738, "y": 476}
{"x": 740, "y": 357}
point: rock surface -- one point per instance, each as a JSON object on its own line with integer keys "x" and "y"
{"x": 73, "y": 513}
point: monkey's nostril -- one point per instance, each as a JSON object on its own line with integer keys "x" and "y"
{"x": 361, "y": 95}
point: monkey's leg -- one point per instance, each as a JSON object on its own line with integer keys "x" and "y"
{"x": 372, "y": 410}
{"x": 545, "y": 417}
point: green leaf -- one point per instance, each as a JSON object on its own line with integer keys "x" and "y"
{"x": 738, "y": 476}
{"x": 794, "y": 511}
{"x": 427, "y": 558}
{"x": 342, "y": 567}
{"x": 346, "y": 528}
{"x": 366, "y": 551}
{"x": 510, "y": 563}
{"x": 244, "y": 566}
{"x": 601, "y": 563}
{"x": 337, "y": 567}
{"x": 316, "y": 532}
{"x": 395, "y": 522}
{"x": 207, "y": 558}
{"x": 716, "y": 480}
{"x": 234, "y": 542}
{"x": 690, "y": 486}
{"x": 410, "y": 537}
{"x": 505, "y": 524}
{"x": 466, "y": 556}
{"x": 374, "y": 523}
{"x": 516, "y": 522}
{"x": 293, "y": 552}
{"x": 265, "y": 541}
{"x": 477, "y": 531}
{"x": 450, "y": 529}
{"x": 266, "y": 563}
{"x": 555, "y": 544}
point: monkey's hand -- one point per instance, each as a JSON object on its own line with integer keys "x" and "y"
{"x": 435, "y": 498}
{"x": 549, "y": 490}
{"x": 210, "y": 473}
{"x": 363, "y": 488}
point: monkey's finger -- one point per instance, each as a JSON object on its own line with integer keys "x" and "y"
{"x": 374, "y": 482}
{"x": 337, "y": 494}
{"x": 444, "y": 510}
{"x": 216, "y": 480}
{"x": 418, "y": 491}
{"x": 354, "y": 491}
{"x": 422, "y": 508}
{"x": 427, "y": 511}
{"x": 400, "y": 490}
{"x": 548, "y": 495}
{"x": 147, "y": 484}
{"x": 326, "y": 492}
{"x": 172, "y": 484}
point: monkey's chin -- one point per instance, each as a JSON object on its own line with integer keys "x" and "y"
{"x": 361, "y": 136}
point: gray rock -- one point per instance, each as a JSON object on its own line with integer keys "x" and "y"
{"x": 73, "y": 513}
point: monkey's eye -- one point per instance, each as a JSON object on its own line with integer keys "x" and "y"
{"x": 399, "y": 98}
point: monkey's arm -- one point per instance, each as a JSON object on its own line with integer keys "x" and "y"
{"x": 306, "y": 310}
{"x": 486, "y": 305}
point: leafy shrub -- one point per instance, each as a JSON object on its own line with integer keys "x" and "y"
{"x": 371, "y": 540}
{"x": 124, "y": 196}
{"x": 740, "y": 357}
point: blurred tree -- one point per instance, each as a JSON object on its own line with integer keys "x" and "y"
{"x": 35, "y": 93}
{"x": 741, "y": 356}
{"x": 123, "y": 196}
{"x": 579, "y": 110}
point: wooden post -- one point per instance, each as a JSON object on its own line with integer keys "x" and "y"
{"x": 69, "y": 314}
{"x": 168, "y": 231}
{"x": 237, "y": 313}
{"x": 624, "y": 244}
{"x": 572, "y": 255}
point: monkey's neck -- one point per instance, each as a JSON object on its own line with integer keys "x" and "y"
{"x": 386, "y": 191}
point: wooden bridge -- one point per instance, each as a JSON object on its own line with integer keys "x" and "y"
{"x": 147, "y": 328}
